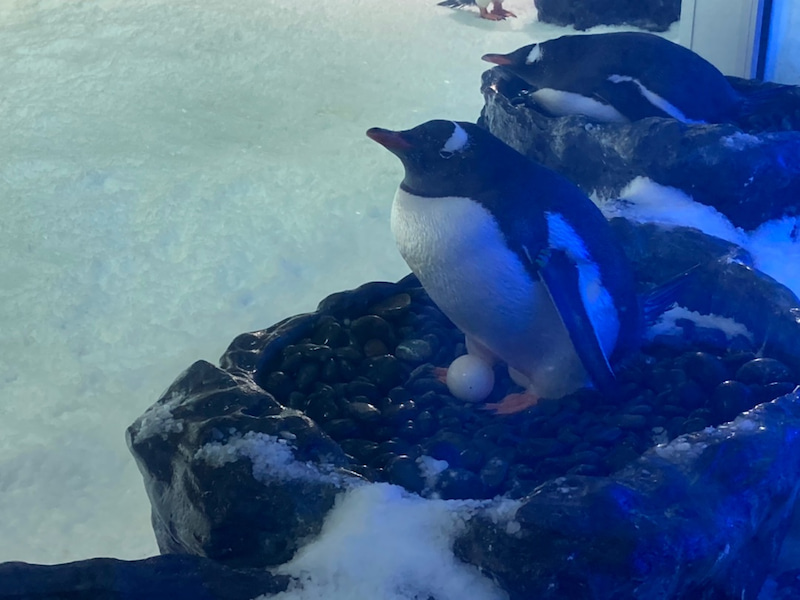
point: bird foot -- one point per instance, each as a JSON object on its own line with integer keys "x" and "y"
{"x": 503, "y": 13}
{"x": 491, "y": 16}
{"x": 513, "y": 403}
{"x": 440, "y": 373}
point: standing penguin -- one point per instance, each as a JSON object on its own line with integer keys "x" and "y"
{"x": 516, "y": 256}
{"x": 620, "y": 77}
{"x": 498, "y": 13}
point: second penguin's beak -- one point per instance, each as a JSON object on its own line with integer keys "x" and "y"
{"x": 391, "y": 140}
{"x": 498, "y": 59}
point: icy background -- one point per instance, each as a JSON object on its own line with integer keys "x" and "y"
{"x": 173, "y": 173}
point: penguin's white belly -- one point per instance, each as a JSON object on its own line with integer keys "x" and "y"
{"x": 460, "y": 256}
{"x": 563, "y": 103}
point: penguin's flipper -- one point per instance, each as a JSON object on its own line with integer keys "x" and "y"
{"x": 624, "y": 94}
{"x": 661, "y": 298}
{"x": 559, "y": 275}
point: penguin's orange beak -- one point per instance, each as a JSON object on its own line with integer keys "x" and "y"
{"x": 498, "y": 59}
{"x": 391, "y": 140}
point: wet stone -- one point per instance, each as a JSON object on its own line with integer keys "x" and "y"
{"x": 398, "y": 413}
{"x": 348, "y": 353}
{"x": 694, "y": 424}
{"x": 494, "y": 472}
{"x": 330, "y": 333}
{"x": 763, "y": 371}
{"x": 540, "y": 448}
{"x": 706, "y": 369}
{"x": 375, "y": 347}
{"x": 392, "y": 307}
{"x": 372, "y": 327}
{"x": 362, "y": 450}
{"x": 384, "y": 371}
{"x": 314, "y": 351}
{"x": 691, "y": 395}
{"x": 403, "y": 471}
{"x": 306, "y": 376}
{"x": 634, "y": 422}
{"x": 364, "y": 412}
{"x": 776, "y": 389}
{"x": 471, "y": 458}
{"x": 363, "y": 388}
{"x": 297, "y": 400}
{"x": 428, "y": 384}
{"x": 340, "y": 428}
{"x": 602, "y": 435}
{"x": 321, "y": 407}
{"x": 279, "y": 384}
{"x": 291, "y": 362}
{"x": 426, "y": 423}
{"x": 460, "y": 484}
{"x": 329, "y": 371}
{"x": 710, "y": 338}
{"x": 414, "y": 351}
{"x": 730, "y": 398}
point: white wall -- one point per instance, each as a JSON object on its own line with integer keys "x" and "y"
{"x": 723, "y": 32}
{"x": 783, "y": 53}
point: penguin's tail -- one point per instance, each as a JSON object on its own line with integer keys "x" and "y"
{"x": 455, "y": 3}
{"x": 769, "y": 107}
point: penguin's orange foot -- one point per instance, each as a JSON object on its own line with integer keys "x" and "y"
{"x": 513, "y": 403}
{"x": 491, "y": 16}
{"x": 440, "y": 373}
{"x": 503, "y": 13}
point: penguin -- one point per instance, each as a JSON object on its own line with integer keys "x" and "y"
{"x": 498, "y": 13}
{"x": 516, "y": 256}
{"x": 622, "y": 77}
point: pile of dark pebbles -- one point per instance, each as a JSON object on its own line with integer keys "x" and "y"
{"x": 368, "y": 383}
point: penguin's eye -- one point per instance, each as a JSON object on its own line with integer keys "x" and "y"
{"x": 445, "y": 154}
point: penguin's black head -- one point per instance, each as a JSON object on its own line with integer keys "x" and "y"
{"x": 448, "y": 158}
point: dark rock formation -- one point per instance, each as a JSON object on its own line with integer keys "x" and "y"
{"x": 167, "y": 577}
{"x": 653, "y": 15}
{"x": 701, "y": 518}
{"x": 252, "y": 512}
{"x": 750, "y": 177}
{"x": 243, "y": 462}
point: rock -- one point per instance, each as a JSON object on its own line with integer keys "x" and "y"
{"x": 230, "y": 473}
{"x": 652, "y": 531}
{"x": 653, "y": 15}
{"x": 168, "y": 577}
{"x": 741, "y": 173}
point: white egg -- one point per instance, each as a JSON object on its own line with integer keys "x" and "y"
{"x": 469, "y": 378}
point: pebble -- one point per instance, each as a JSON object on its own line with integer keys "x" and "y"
{"x": 730, "y": 398}
{"x": 414, "y": 351}
{"x": 393, "y": 307}
{"x": 403, "y": 471}
{"x": 369, "y": 383}
{"x": 762, "y": 371}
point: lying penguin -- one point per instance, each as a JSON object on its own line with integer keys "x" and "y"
{"x": 519, "y": 259}
{"x": 620, "y": 77}
{"x": 498, "y": 13}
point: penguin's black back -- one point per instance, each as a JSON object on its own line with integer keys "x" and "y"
{"x": 583, "y": 63}
{"x": 523, "y": 192}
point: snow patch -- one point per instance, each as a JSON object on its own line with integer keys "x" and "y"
{"x": 272, "y": 458}
{"x": 380, "y": 541}
{"x": 158, "y": 419}
{"x": 666, "y": 324}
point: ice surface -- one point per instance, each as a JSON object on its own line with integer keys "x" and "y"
{"x": 177, "y": 172}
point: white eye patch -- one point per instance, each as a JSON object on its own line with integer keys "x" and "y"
{"x": 534, "y": 55}
{"x": 457, "y": 142}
